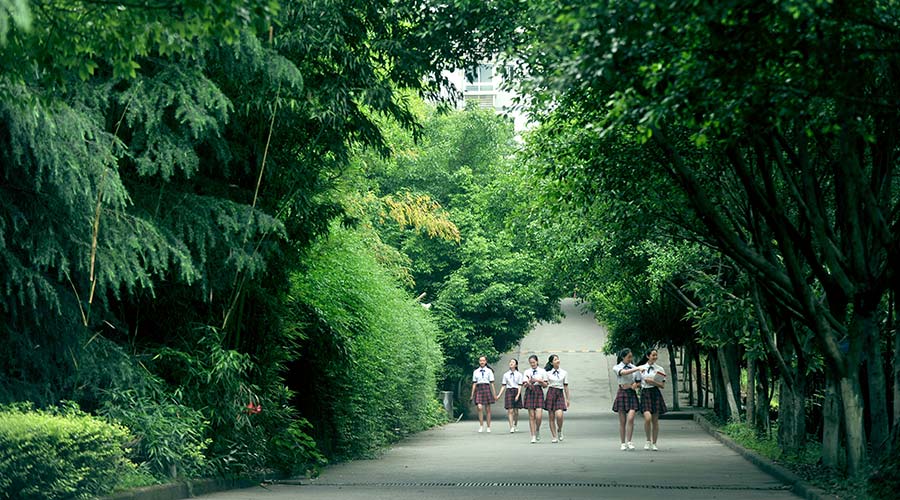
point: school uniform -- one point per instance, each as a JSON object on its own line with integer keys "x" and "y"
{"x": 534, "y": 391}
{"x": 651, "y": 397}
{"x": 556, "y": 398}
{"x": 626, "y": 397}
{"x": 482, "y": 377}
{"x": 512, "y": 380}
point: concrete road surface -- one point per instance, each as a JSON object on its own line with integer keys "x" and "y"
{"x": 454, "y": 461}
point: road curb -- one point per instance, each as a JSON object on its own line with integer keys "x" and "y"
{"x": 798, "y": 485}
{"x": 184, "y": 489}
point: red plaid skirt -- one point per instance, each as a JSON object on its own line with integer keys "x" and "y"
{"x": 556, "y": 400}
{"x": 509, "y": 401}
{"x": 534, "y": 397}
{"x": 626, "y": 400}
{"x": 652, "y": 401}
{"x": 483, "y": 394}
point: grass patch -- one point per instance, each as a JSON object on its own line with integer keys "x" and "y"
{"x": 806, "y": 464}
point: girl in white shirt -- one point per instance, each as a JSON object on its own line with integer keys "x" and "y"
{"x": 483, "y": 392}
{"x": 512, "y": 380}
{"x": 535, "y": 381}
{"x": 626, "y": 403}
{"x": 652, "y": 403}
{"x": 557, "y": 400}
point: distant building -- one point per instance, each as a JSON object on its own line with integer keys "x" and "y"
{"x": 484, "y": 86}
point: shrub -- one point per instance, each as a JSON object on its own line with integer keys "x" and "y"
{"x": 170, "y": 436}
{"x": 62, "y": 453}
{"x": 371, "y": 358}
{"x": 885, "y": 481}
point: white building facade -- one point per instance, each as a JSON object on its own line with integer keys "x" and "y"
{"x": 484, "y": 85}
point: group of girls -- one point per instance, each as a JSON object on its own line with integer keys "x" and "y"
{"x": 524, "y": 389}
{"x": 650, "y": 378}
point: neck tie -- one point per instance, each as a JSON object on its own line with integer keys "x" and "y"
{"x": 556, "y": 372}
{"x": 482, "y": 374}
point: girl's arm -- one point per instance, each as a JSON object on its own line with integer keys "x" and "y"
{"x": 502, "y": 388}
{"x": 568, "y": 397}
{"x": 494, "y": 390}
{"x": 626, "y": 371}
{"x": 473, "y": 391}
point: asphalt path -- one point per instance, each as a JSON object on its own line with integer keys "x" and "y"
{"x": 455, "y": 461}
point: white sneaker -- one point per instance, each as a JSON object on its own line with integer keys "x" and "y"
{"x": 647, "y": 445}
{"x": 653, "y": 447}
{"x": 561, "y": 437}
{"x": 489, "y": 430}
{"x": 630, "y": 444}
{"x": 554, "y": 440}
{"x": 533, "y": 440}
{"x": 538, "y": 435}
{"x": 515, "y": 428}
{"x": 623, "y": 447}
{"x": 481, "y": 429}
{"x": 512, "y": 429}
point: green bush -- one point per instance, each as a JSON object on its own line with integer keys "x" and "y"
{"x": 885, "y": 481}
{"x": 170, "y": 436}
{"x": 371, "y": 359}
{"x": 59, "y": 454}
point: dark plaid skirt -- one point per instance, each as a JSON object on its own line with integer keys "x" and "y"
{"x": 626, "y": 400}
{"x": 556, "y": 400}
{"x": 652, "y": 401}
{"x": 483, "y": 394}
{"x": 510, "y": 402}
{"x": 534, "y": 397}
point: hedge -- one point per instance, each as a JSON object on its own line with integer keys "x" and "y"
{"x": 59, "y": 454}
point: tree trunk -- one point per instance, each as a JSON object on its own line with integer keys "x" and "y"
{"x": 852, "y": 406}
{"x": 896, "y": 363}
{"x": 763, "y": 397}
{"x": 791, "y": 417}
{"x": 734, "y": 411}
{"x": 689, "y": 372}
{"x": 673, "y": 377}
{"x": 706, "y": 384}
{"x": 751, "y": 394}
{"x": 877, "y": 384}
{"x": 831, "y": 432}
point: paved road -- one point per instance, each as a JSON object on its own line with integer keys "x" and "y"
{"x": 454, "y": 461}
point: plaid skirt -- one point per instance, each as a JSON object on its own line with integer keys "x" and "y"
{"x": 626, "y": 400}
{"x": 556, "y": 400}
{"x": 652, "y": 401}
{"x": 483, "y": 394}
{"x": 534, "y": 397}
{"x": 509, "y": 401}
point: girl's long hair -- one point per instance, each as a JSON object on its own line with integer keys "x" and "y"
{"x": 646, "y": 356}
{"x": 550, "y": 362}
{"x": 621, "y": 354}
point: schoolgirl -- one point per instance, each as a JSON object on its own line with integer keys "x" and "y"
{"x": 652, "y": 403}
{"x": 557, "y": 400}
{"x": 533, "y": 400}
{"x": 483, "y": 393}
{"x": 626, "y": 403}
{"x": 512, "y": 381}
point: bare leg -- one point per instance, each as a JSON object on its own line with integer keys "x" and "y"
{"x": 559, "y": 420}
{"x": 487, "y": 411}
{"x": 622, "y": 426}
{"x": 481, "y": 415}
{"x": 629, "y": 429}
{"x": 515, "y": 417}
{"x": 538, "y": 417}
{"x": 655, "y": 427}
{"x": 509, "y": 417}
{"x": 553, "y": 424}
{"x": 531, "y": 421}
{"x": 647, "y": 424}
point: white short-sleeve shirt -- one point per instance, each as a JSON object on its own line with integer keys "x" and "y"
{"x": 513, "y": 379}
{"x": 483, "y": 375}
{"x": 650, "y": 373}
{"x": 625, "y": 379}
{"x": 534, "y": 374}
{"x": 558, "y": 378}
